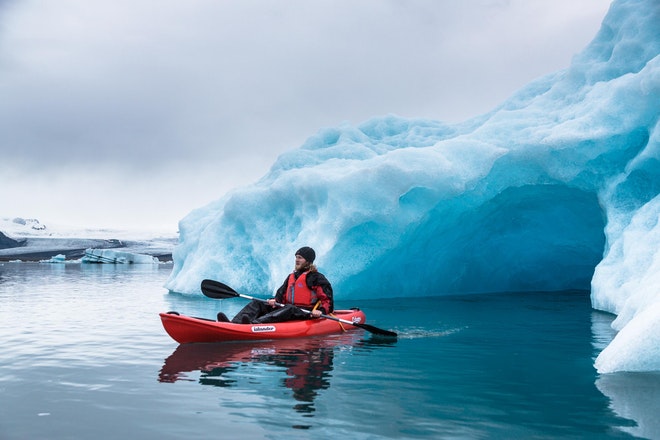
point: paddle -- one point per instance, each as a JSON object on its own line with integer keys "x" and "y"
{"x": 218, "y": 290}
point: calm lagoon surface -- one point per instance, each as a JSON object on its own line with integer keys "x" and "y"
{"x": 85, "y": 357}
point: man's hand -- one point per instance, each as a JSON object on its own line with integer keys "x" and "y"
{"x": 316, "y": 313}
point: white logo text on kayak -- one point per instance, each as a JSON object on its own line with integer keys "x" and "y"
{"x": 263, "y": 328}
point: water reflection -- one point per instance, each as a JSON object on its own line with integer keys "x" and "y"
{"x": 636, "y": 397}
{"x": 633, "y": 396}
{"x": 304, "y": 366}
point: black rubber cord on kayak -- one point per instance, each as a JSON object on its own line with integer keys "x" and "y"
{"x": 217, "y": 290}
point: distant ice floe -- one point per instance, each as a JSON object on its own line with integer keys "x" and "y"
{"x": 105, "y": 256}
{"x": 31, "y": 240}
{"x": 59, "y": 259}
{"x": 109, "y": 256}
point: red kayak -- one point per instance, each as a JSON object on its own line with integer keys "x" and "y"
{"x": 185, "y": 329}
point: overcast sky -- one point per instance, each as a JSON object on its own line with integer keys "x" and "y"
{"x": 131, "y": 113}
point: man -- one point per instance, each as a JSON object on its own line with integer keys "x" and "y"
{"x": 305, "y": 288}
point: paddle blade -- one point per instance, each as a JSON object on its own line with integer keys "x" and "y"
{"x": 217, "y": 290}
{"x": 377, "y": 331}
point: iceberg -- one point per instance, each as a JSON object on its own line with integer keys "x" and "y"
{"x": 557, "y": 188}
{"x": 59, "y": 259}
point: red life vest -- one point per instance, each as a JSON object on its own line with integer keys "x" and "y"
{"x": 298, "y": 293}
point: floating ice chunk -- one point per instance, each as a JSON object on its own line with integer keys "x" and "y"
{"x": 636, "y": 347}
{"x": 116, "y": 257}
{"x": 59, "y": 258}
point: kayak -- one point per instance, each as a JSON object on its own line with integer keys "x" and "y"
{"x": 186, "y": 329}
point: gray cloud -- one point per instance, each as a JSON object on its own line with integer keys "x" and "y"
{"x": 148, "y": 87}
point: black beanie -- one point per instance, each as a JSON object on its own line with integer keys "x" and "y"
{"x": 307, "y": 253}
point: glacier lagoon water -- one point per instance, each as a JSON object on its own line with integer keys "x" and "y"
{"x": 85, "y": 356}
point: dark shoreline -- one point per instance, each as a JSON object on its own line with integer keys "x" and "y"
{"x": 69, "y": 254}
{"x": 40, "y": 249}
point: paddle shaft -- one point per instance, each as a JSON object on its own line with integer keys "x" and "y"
{"x": 218, "y": 290}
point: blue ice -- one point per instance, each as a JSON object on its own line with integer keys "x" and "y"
{"x": 557, "y": 188}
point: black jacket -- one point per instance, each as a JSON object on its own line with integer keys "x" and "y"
{"x": 313, "y": 279}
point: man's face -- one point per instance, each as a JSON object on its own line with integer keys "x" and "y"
{"x": 300, "y": 262}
